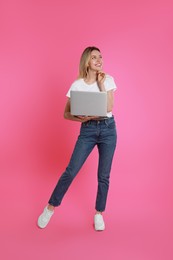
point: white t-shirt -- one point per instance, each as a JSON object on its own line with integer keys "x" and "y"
{"x": 81, "y": 85}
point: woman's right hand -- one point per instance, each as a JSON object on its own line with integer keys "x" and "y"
{"x": 84, "y": 119}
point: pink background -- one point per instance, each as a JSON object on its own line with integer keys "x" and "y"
{"x": 40, "y": 46}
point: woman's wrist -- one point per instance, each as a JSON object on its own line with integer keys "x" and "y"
{"x": 69, "y": 116}
{"x": 102, "y": 87}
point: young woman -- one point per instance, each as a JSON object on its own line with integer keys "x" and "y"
{"x": 94, "y": 131}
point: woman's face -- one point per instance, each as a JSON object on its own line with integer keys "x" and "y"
{"x": 95, "y": 62}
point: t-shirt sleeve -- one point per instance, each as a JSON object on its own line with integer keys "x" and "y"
{"x": 110, "y": 83}
{"x": 73, "y": 87}
{"x": 68, "y": 93}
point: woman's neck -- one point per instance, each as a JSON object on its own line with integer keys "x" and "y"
{"x": 91, "y": 77}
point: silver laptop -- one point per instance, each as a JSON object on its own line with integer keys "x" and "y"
{"x": 84, "y": 103}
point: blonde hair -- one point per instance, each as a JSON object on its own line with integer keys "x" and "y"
{"x": 83, "y": 65}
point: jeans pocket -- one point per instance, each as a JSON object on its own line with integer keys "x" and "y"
{"x": 111, "y": 125}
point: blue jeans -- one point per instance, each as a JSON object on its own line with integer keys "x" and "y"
{"x": 103, "y": 134}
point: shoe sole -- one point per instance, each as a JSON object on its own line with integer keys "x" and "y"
{"x": 102, "y": 228}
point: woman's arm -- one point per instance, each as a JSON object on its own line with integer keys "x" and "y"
{"x": 69, "y": 116}
{"x": 110, "y": 100}
{"x": 110, "y": 97}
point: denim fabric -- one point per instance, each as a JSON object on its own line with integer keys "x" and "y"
{"x": 103, "y": 134}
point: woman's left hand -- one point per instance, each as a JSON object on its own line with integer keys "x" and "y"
{"x": 101, "y": 78}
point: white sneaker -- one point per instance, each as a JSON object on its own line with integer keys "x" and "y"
{"x": 99, "y": 222}
{"x": 45, "y": 217}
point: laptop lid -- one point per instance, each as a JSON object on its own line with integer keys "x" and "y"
{"x": 85, "y": 103}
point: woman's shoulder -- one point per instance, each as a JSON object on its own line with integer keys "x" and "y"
{"x": 76, "y": 85}
{"x": 109, "y": 77}
{"x": 76, "y": 82}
